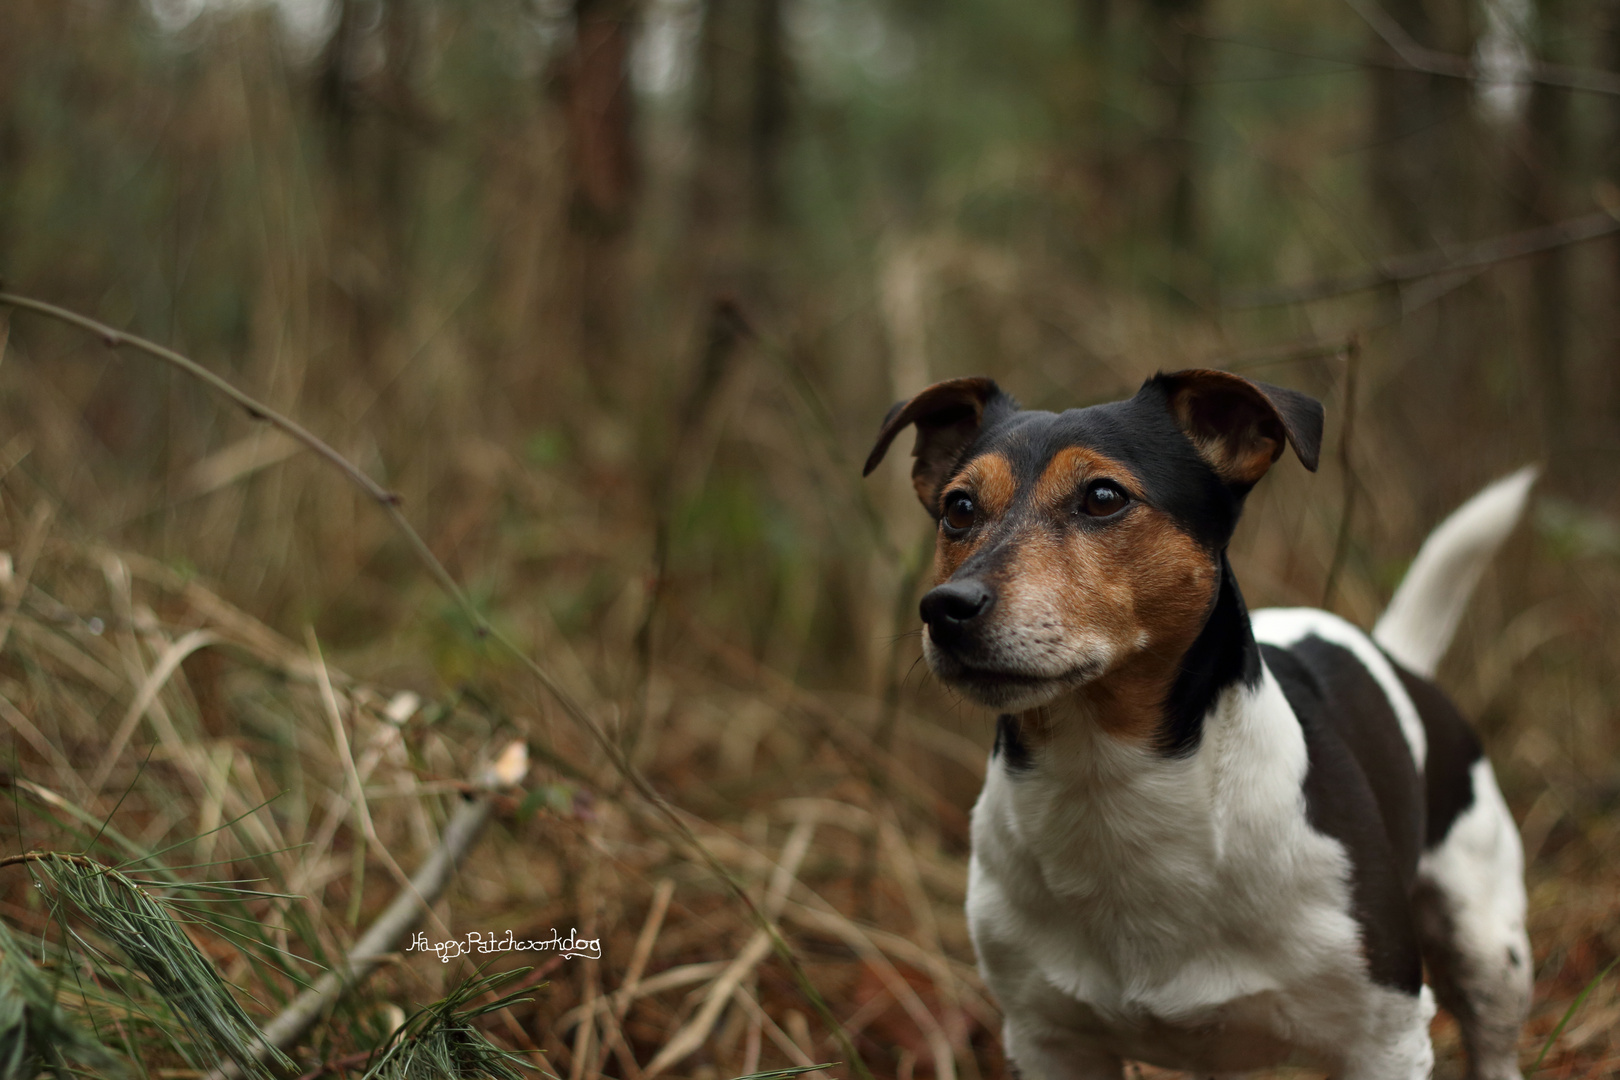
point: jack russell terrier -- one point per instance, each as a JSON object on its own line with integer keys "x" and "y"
{"x": 1207, "y": 840}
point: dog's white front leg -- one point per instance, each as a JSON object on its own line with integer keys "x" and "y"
{"x": 1057, "y": 1055}
{"x": 1396, "y": 1045}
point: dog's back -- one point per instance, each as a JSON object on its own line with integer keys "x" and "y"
{"x": 1441, "y": 823}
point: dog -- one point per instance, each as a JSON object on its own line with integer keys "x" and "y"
{"x": 1208, "y": 841}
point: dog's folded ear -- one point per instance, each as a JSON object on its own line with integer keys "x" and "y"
{"x": 948, "y": 416}
{"x": 1240, "y": 427}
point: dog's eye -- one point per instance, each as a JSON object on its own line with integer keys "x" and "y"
{"x": 1103, "y": 499}
{"x": 959, "y": 513}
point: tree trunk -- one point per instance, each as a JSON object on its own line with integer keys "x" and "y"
{"x": 372, "y": 123}
{"x": 741, "y": 122}
{"x": 1546, "y": 159}
{"x": 1609, "y": 169}
{"x": 1180, "y": 58}
{"x": 598, "y": 106}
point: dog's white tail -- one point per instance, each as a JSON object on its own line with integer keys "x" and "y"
{"x": 1422, "y": 616}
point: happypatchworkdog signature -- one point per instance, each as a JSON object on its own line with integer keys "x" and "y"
{"x": 571, "y": 946}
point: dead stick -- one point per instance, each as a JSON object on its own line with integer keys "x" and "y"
{"x": 382, "y": 938}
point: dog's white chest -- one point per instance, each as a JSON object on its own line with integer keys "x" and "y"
{"x": 1175, "y": 909}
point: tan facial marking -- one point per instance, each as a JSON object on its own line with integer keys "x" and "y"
{"x": 1172, "y": 583}
{"x": 1073, "y": 467}
{"x": 1131, "y": 592}
{"x": 988, "y": 479}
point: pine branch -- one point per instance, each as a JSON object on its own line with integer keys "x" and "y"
{"x": 153, "y": 941}
{"x": 35, "y": 1034}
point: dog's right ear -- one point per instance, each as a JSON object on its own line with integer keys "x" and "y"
{"x": 1239, "y": 426}
{"x": 948, "y": 416}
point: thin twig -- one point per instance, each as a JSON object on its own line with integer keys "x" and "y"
{"x": 1341, "y": 546}
{"x": 389, "y": 502}
{"x": 40, "y": 856}
{"x": 644, "y": 945}
{"x": 1427, "y": 264}
{"x": 254, "y": 408}
{"x": 1410, "y": 56}
{"x": 1447, "y": 65}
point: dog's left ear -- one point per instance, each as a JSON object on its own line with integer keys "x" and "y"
{"x": 1239, "y": 426}
{"x": 948, "y": 416}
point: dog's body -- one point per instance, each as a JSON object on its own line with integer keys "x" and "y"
{"x": 1208, "y": 842}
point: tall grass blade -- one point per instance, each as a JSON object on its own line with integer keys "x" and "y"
{"x": 1569, "y": 1013}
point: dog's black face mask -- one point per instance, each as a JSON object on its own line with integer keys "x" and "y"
{"x": 1072, "y": 543}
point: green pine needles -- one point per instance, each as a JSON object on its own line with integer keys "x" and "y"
{"x": 36, "y": 1036}
{"x": 151, "y": 939}
{"x": 441, "y": 1043}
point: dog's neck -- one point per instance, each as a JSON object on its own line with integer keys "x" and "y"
{"x": 1151, "y": 698}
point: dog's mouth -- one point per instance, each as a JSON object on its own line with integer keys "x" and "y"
{"x": 1004, "y": 689}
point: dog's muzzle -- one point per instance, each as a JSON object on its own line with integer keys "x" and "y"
{"x": 1000, "y": 666}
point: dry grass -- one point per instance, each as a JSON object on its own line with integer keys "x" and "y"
{"x": 136, "y": 694}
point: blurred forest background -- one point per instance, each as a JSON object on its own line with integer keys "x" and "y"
{"x": 614, "y": 293}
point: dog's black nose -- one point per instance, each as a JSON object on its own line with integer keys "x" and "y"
{"x": 954, "y": 603}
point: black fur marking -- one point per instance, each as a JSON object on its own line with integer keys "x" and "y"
{"x": 1353, "y": 793}
{"x": 1140, "y": 434}
{"x": 1453, "y": 749}
{"x": 1010, "y": 746}
{"x": 1223, "y": 653}
{"x": 1366, "y": 722}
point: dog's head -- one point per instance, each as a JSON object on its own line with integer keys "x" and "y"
{"x": 1071, "y": 544}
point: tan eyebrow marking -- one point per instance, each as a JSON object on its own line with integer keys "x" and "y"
{"x": 1073, "y": 464}
{"x": 990, "y": 479}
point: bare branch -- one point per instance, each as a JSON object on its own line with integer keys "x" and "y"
{"x": 1427, "y": 264}
{"x": 1433, "y": 62}
{"x": 1408, "y": 55}
{"x": 258, "y": 410}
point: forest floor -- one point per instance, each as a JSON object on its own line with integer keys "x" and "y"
{"x": 853, "y": 837}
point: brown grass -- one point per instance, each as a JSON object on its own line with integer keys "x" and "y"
{"x": 855, "y": 846}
